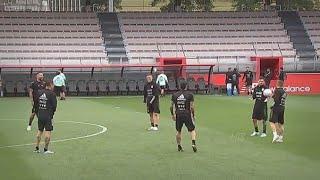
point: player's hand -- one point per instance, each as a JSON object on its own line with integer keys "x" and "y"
{"x": 174, "y": 117}
{"x": 32, "y": 102}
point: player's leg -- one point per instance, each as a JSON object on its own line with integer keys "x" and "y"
{"x": 255, "y": 126}
{"x": 156, "y": 120}
{"x": 191, "y": 128}
{"x": 151, "y": 120}
{"x": 273, "y": 124}
{"x": 179, "y": 124}
{"x": 38, "y": 139}
{"x": 264, "y": 122}
{"x": 47, "y": 136}
{"x": 281, "y": 127}
{"x": 34, "y": 111}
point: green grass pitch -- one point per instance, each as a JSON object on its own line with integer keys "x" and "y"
{"x": 128, "y": 151}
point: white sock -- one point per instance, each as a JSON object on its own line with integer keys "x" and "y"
{"x": 275, "y": 134}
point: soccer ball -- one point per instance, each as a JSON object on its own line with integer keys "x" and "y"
{"x": 267, "y": 93}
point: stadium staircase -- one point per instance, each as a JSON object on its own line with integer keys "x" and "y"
{"x": 298, "y": 36}
{"x": 113, "y": 40}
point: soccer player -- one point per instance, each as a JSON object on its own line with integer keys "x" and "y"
{"x": 228, "y": 80}
{"x": 35, "y": 86}
{"x": 182, "y": 111}
{"x": 267, "y": 77}
{"x": 162, "y": 81}
{"x": 235, "y": 81}
{"x": 282, "y": 75}
{"x": 151, "y": 98}
{"x": 58, "y": 82}
{"x": 260, "y": 108}
{"x": 248, "y": 77}
{"x": 47, "y": 104}
{"x": 277, "y": 112}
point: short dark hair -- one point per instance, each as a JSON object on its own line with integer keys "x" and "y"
{"x": 58, "y": 72}
{"x": 183, "y": 84}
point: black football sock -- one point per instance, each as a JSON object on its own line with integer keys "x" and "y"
{"x": 256, "y": 129}
{"x": 156, "y": 125}
{"x": 152, "y": 124}
{"x": 180, "y": 148}
{"x": 194, "y": 142}
{"x": 37, "y": 148}
{"x": 45, "y": 150}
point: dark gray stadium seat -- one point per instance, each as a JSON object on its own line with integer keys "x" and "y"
{"x": 21, "y": 88}
{"x": 172, "y": 85}
{"x": 92, "y": 87}
{"x": 141, "y": 84}
{"x": 9, "y": 88}
{"x": 123, "y": 87}
{"x": 202, "y": 87}
{"x": 112, "y": 86}
{"x": 132, "y": 86}
{"x": 192, "y": 85}
{"x": 102, "y": 86}
{"x": 82, "y": 87}
{"x": 71, "y": 87}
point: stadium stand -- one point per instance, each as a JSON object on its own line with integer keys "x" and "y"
{"x": 223, "y": 34}
{"x": 36, "y": 38}
{"x": 311, "y": 21}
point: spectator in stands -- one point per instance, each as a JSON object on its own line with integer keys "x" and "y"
{"x": 282, "y": 75}
{"x": 229, "y": 81}
{"x": 162, "y": 81}
{"x": 235, "y": 81}
{"x": 267, "y": 77}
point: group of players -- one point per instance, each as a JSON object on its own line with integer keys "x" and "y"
{"x": 182, "y": 108}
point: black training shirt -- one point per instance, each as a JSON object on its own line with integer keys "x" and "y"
{"x": 47, "y": 104}
{"x": 182, "y": 101}
{"x": 151, "y": 93}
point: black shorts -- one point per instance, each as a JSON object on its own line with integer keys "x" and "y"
{"x": 277, "y": 115}
{"x": 35, "y": 107}
{"x": 45, "y": 124}
{"x": 153, "y": 108}
{"x": 58, "y": 89}
{"x": 186, "y": 120}
{"x": 260, "y": 111}
{"x": 163, "y": 87}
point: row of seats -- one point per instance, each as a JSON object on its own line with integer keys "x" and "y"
{"x": 311, "y": 21}
{"x": 149, "y": 35}
{"x": 44, "y": 36}
{"x": 100, "y": 87}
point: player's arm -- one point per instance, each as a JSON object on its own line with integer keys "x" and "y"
{"x": 244, "y": 75}
{"x": 145, "y": 94}
{"x": 254, "y": 96}
{"x": 172, "y": 110}
{"x": 31, "y": 93}
{"x": 158, "y": 79}
{"x": 53, "y": 102}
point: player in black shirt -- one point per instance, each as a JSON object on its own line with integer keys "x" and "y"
{"x": 182, "y": 111}
{"x": 47, "y": 105}
{"x": 151, "y": 98}
{"x": 267, "y": 77}
{"x": 260, "y": 108}
{"x": 277, "y": 112}
{"x": 248, "y": 77}
{"x": 35, "y": 86}
{"x": 235, "y": 81}
{"x": 282, "y": 75}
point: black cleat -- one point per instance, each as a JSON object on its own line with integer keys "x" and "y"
{"x": 180, "y": 149}
{"x": 194, "y": 148}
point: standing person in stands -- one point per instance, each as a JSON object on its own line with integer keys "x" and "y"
{"x": 248, "y": 77}
{"x": 34, "y": 89}
{"x": 228, "y": 81}
{"x": 162, "y": 81}
{"x": 267, "y": 77}
{"x": 235, "y": 80}
{"x": 282, "y": 75}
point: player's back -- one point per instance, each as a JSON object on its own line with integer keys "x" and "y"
{"x": 279, "y": 97}
{"x": 182, "y": 101}
{"x": 47, "y": 103}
